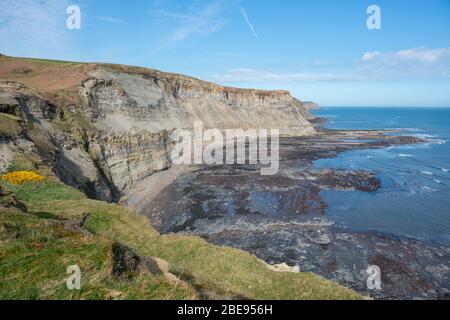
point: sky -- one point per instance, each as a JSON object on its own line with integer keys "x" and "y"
{"x": 319, "y": 50}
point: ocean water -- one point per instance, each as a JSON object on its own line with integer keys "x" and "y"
{"x": 414, "y": 199}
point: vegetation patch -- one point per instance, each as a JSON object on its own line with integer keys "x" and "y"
{"x": 21, "y": 177}
{"x": 44, "y": 191}
{"x": 9, "y": 125}
{"x": 36, "y": 249}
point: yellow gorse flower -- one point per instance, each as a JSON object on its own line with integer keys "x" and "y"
{"x": 21, "y": 177}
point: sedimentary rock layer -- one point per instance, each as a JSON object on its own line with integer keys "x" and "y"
{"x": 154, "y": 101}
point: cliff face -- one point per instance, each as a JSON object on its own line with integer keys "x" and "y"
{"x": 309, "y": 105}
{"x": 154, "y": 101}
{"x": 134, "y": 112}
{"x": 113, "y": 129}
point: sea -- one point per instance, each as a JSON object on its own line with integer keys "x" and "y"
{"x": 414, "y": 198}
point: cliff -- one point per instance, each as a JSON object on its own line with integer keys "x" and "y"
{"x": 102, "y": 128}
{"x": 309, "y": 105}
{"x": 120, "y": 99}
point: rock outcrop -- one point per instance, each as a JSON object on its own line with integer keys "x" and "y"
{"x": 309, "y": 105}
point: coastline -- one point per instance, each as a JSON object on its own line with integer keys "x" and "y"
{"x": 282, "y": 219}
{"x": 104, "y": 150}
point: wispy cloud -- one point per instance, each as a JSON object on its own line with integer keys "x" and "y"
{"x": 319, "y": 62}
{"x": 245, "y": 75}
{"x": 422, "y": 54}
{"x": 247, "y": 20}
{"x": 110, "y": 19}
{"x": 33, "y": 28}
{"x": 227, "y": 54}
{"x": 196, "y": 20}
{"x": 409, "y": 64}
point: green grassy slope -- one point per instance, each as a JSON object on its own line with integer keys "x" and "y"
{"x": 35, "y": 252}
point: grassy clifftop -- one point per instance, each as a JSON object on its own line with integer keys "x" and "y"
{"x": 36, "y": 247}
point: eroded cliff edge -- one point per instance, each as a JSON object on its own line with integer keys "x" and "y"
{"x": 103, "y": 128}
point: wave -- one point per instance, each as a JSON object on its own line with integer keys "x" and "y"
{"x": 445, "y": 170}
{"x": 424, "y": 135}
{"x": 405, "y": 155}
{"x": 410, "y": 129}
{"x": 430, "y": 138}
{"x": 427, "y": 173}
{"x": 329, "y": 116}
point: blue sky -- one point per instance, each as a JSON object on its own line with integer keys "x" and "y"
{"x": 319, "y": 50}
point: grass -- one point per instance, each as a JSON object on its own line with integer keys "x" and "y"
{"x": 34, "y": 256}
{"x": 21, "y": 162}
{"x": 48, "y": 190}
{"x": 41, "y": 61}
{"x": 9, "y": 125}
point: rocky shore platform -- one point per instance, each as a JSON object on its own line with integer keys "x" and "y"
{"x": 281, "y": 218}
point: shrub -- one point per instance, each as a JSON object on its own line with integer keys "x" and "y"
{"x": 21, "y": 177}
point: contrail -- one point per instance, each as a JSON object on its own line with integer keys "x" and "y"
{"x": 252, "y": 28}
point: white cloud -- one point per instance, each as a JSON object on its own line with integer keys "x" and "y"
{"x": 410, "y": 64}
{"x": 245, "y": 75}
{"x": 424, "y": 55}
{"x": 370, "y": 55}
{"x": 247, "y": 20}
{"x": 34, "y": 28}
{"x": 196, "y": 20}
{"x": 416, "y": 63}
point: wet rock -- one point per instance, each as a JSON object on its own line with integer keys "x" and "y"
{"x": 321, "y": 239}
